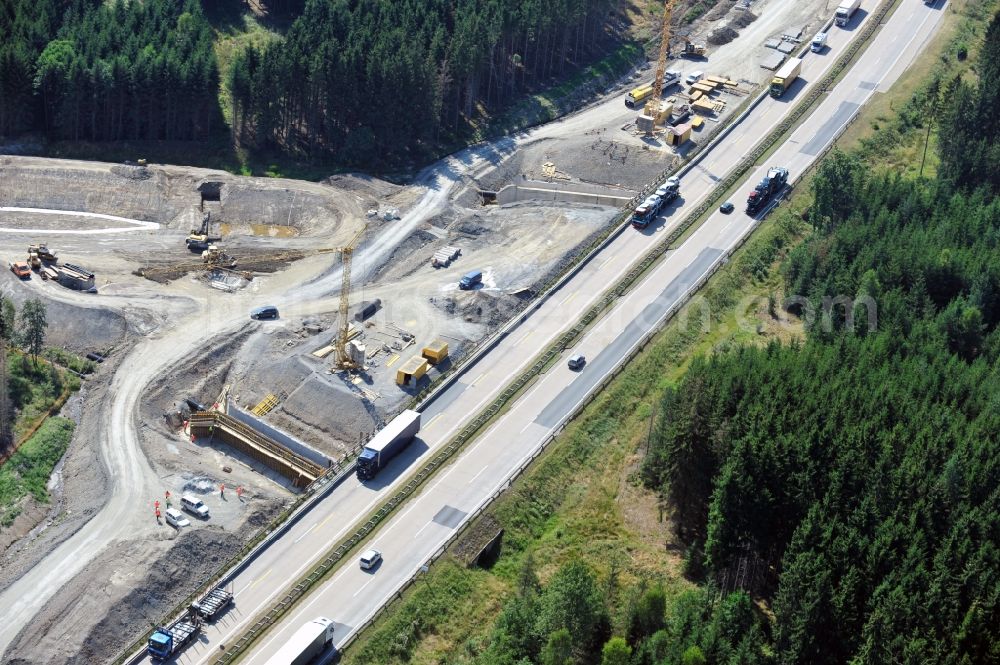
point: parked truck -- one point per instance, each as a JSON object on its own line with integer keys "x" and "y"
{"x": 818, "y": 43}
{"x": 385, "y": 445}
{"x": 470, "y": 280}
{"x": 785, "y": 76}
{"x": 845, "y": 11}
{"x": 212, "y": 603}
{"x": 165, "y": 642}
{"x": 306, "y": 644}
{"x": 638, "y": 96}
{"x": 773, "y": 182}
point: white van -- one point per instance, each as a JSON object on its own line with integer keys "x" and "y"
{"x": 175, "y": 518}
{"x": 195, "y": 506}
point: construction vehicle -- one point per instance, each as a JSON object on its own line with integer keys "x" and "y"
{"x": 212, "y": 603}
{"x": 199, "y": 240}
{"x": 470, "y": 280}
{"x": 845, "y": 11}
{"x": 634, "y": 98}
{"x": 785, "y": 76}
{"x": 773, "y": 182}
{"x": 20, "y": 269}
{"x": 692, "y": 50}
{"x": 646, "y": 211}
{"x": 33, "y": 261}
{"x": 385, "y": 445}
{"x": 215, "y": 257}
{"x": 306, "y": 644}
{"x": 344, "y": 359}
{"x": 818, "y": 43}
{"x": 652, "y": 113}
{"x": 165, "y": 642}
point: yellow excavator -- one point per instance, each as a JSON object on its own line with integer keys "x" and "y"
{"x": 692, "y": 50}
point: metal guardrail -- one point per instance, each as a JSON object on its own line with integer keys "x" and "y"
{"x": 620, "y": 223}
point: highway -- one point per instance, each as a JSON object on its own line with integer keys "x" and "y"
{"x": 418, "y": 530}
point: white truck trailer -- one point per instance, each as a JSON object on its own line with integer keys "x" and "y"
{"x": 306, "y": 644}
{"x": 845, "y": 11}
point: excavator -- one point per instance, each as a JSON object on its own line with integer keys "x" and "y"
{"x": 198, "y": 240}
{"x": 692, "y": 50}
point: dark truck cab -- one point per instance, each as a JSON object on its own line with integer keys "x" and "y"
{"x": 385, "y": 445}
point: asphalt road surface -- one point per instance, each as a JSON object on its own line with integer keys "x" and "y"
{"x": 413, "y": 535}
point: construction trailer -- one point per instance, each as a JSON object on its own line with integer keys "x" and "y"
{"x": 436, "y": 352}
{"x": 678, "y": 134}
{"x": 412, "y": 370}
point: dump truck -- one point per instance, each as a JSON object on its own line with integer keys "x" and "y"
{"x": 845, "y": 11}
{"x": 306, "y": 644}
{"x": 818, "y": 43}
{"x": 385, "y": 445}
{"x": 21, "y": 269}
{"x": 773, "y": 182}
{"x": 784, "y": 77}
{"x": 212, "y": 603}
{"x": 165, "y": 642}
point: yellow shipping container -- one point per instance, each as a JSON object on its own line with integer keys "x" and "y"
{"x": 436, "y": 351}
{"x": 412, "y": 370}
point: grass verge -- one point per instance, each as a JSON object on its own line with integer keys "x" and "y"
{"x": 27, "y": 471}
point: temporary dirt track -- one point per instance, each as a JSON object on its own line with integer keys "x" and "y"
{"x": 170, "y": 327}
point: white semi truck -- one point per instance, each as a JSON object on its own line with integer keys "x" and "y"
{"x": 845, "y": 11}
{"x": 306, "y": 644}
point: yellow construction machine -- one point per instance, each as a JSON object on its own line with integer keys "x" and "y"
{"x": 344, "y": 359}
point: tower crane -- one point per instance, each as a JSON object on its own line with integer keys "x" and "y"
{"x": 653, "y": 106}
{"x": 344, "y": 359}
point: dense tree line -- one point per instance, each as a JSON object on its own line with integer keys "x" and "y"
{"x": 84, "y": 69}
{"x": 567, "y": 621}
{"x": 853, "y": 478}
{"x": 372, "y": 81}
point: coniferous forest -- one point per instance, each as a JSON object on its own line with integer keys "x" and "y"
{"x": 351, "y": 81}
{"x": 858, "y": 472}
{"x": 88, "y": 70}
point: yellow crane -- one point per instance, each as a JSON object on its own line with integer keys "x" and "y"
{"x": 343, "y": 359}
{"x": 653, "y": 105}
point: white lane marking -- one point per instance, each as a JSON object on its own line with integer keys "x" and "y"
{"x": 304, "y": 534}
{"x": 478, "y": 474}
{"x": 421, "y": 530}
{"x": 363, "y": 587}
{"x": 432, "y": 421}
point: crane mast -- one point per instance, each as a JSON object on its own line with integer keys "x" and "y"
{"x": 653, "y": 105}
{"x": 344, "y": 359}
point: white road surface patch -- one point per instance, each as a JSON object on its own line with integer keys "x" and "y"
{"x": 136, "y": 224}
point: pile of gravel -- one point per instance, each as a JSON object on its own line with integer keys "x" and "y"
{"x": 723, "y": 35}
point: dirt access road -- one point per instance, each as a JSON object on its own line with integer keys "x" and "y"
{"x": 192, "y": 321}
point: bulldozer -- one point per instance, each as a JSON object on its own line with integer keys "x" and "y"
{"x": 692, "y": 50}
{"x": 43, "y": 253}
{"x": 215, "y": 257}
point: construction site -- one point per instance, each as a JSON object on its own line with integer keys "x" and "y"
{"x": 255, "y": 331}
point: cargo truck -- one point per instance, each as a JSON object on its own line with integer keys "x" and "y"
{"x": 773, "y": 182}
{"x": 306, "y": 644}
{"x": 212, "y": 603}
{"x": 165, "y": 642}
{"x": 646, "y": 211}
{"x": 638, "y": 96}
{"x": 845, "y": 11}
{"x": 785, "y": 76}
{"x": 385, "y": 445}
{"x": 818, "y": 42}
